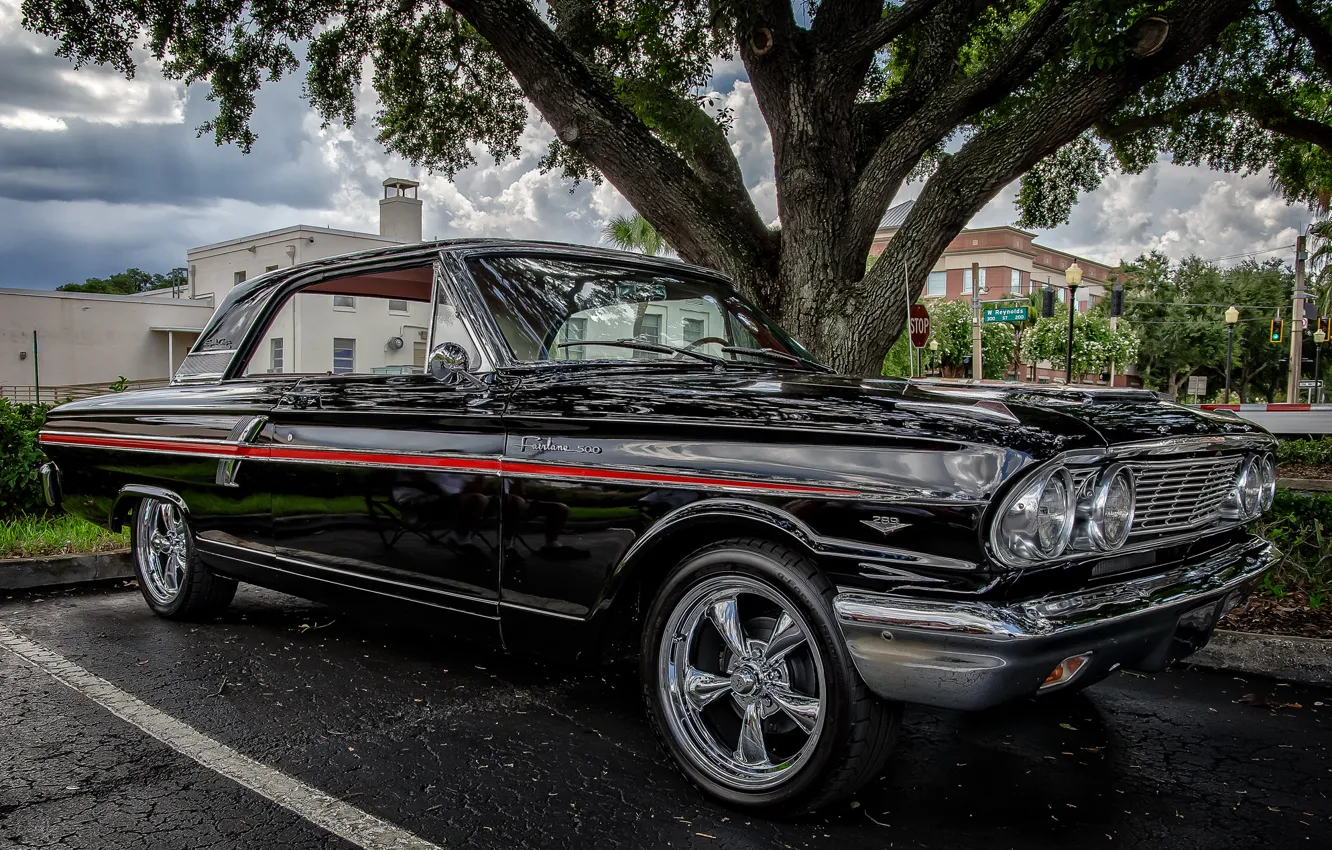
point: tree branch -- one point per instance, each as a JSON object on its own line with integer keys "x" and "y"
{"x": 1308, "y": 25}
{"x": 1003, "y": 152}
{"x": 704, "y": 225}
{"x": 900, "y": 147}
{"x": 1267, "y": 111}
{"x": 865, "y": 40}
{"x": 1213, "y": 100}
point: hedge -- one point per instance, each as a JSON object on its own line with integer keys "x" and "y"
{"x": 1300, "y": 524}
{"x": 20, "y": 458}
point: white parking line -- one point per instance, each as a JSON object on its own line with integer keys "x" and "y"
{"x": 341, "y": 819}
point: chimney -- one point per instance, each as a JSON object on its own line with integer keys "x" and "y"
{"x": 400, "y": 210}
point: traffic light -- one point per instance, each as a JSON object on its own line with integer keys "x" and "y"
{"x": 1325, "y": 325}
{"x": 1278, "y": 330}
{"x": 1117, "y": 301}
{"x": 1047, "y": 303}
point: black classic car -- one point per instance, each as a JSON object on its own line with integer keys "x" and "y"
{"x": 592, "y": 455}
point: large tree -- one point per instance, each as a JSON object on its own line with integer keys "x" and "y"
{"x": 859, "y": 95}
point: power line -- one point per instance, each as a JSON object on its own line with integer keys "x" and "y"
{"x": 1247, "y": 254}
{"x": 1190, "y": 304}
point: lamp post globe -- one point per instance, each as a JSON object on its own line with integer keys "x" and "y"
{"x": 1072, "y": 277}
{"x": 1232, "y": 316}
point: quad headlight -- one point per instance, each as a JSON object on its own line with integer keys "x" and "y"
{"x": 1269, "y": 481}
{"x": 1252, "y": 489}
{"x": 1037, "y": 521}
{"x": 1106, "y": 516}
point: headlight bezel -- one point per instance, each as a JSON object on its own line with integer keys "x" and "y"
{"x": 1024, "y": 548}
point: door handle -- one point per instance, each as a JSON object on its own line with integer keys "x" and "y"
{"x": 301, "y": 401}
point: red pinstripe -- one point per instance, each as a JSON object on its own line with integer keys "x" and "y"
{"x": 492, "y": 465}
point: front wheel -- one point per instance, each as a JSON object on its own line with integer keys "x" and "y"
{"x": 173, "y": 579}
{"x": 749, "y": 684}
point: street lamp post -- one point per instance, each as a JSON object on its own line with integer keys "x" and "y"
{"x": 1232, "y": 316}
{"x": 1073, "y": 277}
{"x": 1320, "y": 337}
{"x": 934, "y": 354}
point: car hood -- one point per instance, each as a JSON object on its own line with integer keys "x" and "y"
{"x": 1036, "y": 421}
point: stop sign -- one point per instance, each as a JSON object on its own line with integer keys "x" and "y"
{"x": 919, "y": 325}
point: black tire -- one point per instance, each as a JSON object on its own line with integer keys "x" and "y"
{"x": 195, "y": 592}
{"x": 857, "y": 730}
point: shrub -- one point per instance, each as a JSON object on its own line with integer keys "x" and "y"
{"x": 1305, "y": 452}
{"x": 1300, "y": 524}
{"x": 20, "y": 458}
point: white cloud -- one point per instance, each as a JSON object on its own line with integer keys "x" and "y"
{"x": 27, "y": 119}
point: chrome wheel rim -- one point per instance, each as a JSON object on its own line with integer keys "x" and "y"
{"x": 162, "y": 548}
{"x": 742, "y": 685}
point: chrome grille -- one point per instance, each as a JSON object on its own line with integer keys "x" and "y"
{"x": 1180, "y": 494}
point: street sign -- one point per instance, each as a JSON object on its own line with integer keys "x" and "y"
{"x": 1197, "y": 385}
{"x": 919, "y": 325}
{"x": 994, "y": 315}
{"x": 1310, "y": 384}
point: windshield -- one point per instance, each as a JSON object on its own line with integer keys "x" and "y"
{"x": 552, "y": 309}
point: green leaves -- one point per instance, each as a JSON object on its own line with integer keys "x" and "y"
{"x": 20, "y": 457}
{"x": 634, "y": 233}
{"x": 1095, "y": 344}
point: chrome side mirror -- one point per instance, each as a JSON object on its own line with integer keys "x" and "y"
{"x": 449, "y": 364}
{"x": 448, "y": 359}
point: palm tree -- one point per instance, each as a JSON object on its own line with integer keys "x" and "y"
{"x": 1320, "y": 262}
{"x": 634, "y": 233}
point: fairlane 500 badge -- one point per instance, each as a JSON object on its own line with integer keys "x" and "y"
{"x": 546, "y": 444}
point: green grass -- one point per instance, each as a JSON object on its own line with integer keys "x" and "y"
{"x": 59, "y": 534}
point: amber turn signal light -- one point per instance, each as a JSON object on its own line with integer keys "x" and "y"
{"x": 1067, "y": 669}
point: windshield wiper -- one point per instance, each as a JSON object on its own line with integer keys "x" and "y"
{"x": 775, "y": 355}
{"x": 640, "y": 345}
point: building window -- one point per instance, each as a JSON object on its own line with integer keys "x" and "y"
{"x": 1015, "y": 282}
{"x": 649, "y": 331}
{"x": 270, "y": 269}
{"x": 966, "y": 281}
{"x": 396, "y": 306}
{"x": 344, "y": 302}
{"x": 344, "y": 356}
{"x": 936, "y": 286}
{"x": 237, "y": 277}
{"x": 574, "y": 329}
{"x": 692, "y": 330}
{"x": 275, "y": 355}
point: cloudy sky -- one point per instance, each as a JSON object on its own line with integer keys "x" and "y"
{"x": 98, "y": 174}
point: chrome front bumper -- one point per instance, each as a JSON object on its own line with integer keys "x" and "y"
{"x": 972, "y": 655}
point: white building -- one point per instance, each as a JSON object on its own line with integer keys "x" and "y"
{"x": 85, "y": 342}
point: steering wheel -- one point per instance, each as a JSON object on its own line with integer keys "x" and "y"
{"x": 707, "y": 339}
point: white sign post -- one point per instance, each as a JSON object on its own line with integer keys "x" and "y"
{"x": 1197, "y": 386}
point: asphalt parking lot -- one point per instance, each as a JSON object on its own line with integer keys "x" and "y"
{"x": 460, "y": 747}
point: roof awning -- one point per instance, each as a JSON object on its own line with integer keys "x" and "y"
{"x": 178, "y": 330}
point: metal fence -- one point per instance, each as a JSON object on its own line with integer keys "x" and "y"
{"x": 29, "y": 394}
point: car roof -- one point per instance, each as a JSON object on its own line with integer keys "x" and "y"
{"x": 426, "y": 250}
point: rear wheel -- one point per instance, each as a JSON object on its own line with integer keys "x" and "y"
{"x": 749, "y": 684}
{"x": 173, "y": 579}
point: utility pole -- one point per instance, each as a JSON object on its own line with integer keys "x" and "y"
{"x": 1297, "y": 324}
{"x": 976, "y": 371}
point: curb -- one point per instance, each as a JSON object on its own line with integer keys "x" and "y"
{"x": 65, "y": 569}
{"x": 1296, "y": 659}
{"x": 1306, "y": 485}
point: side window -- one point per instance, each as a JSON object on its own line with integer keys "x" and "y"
{"x": 371, "y": 324}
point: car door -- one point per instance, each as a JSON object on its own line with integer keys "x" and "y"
{"x": 385, "y": 480}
